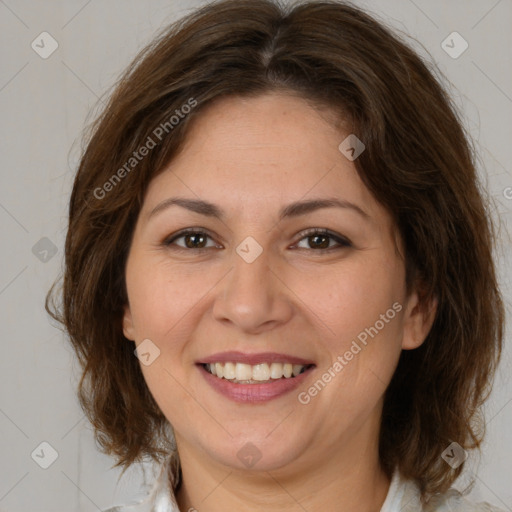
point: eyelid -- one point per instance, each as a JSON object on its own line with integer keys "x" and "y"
{"x": 342, "y": 241}
{"x": 188, "y": 231}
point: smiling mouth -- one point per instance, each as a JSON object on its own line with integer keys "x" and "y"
{"x": 241, "y": 373}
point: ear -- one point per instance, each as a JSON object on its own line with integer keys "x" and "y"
{"x": 128, "y": 329}
{"x": 419, "y": 317}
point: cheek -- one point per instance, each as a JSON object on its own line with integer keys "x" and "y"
{"x": 161, "y": 297}
{"x": 361, "y": 305}
{"x": 351, "y": 297}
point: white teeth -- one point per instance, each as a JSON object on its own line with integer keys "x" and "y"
{"x": 243, "y": 371}
{"x": 259, "y": 373}
{"x": 297, "y": 368}
{"x": 229, "y": 371}
{"x": 276, "y": 370}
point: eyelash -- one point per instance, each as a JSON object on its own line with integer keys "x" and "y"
{"x": 343, "y": 242}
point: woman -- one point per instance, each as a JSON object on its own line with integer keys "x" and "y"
{"x": 279, "y": 277}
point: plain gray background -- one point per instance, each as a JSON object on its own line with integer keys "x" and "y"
{"x": 44, "y": 105}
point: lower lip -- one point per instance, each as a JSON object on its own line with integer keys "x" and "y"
{"x": 254, "y": 392}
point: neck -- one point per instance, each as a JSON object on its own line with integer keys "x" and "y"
{"x": 349, "y": 479}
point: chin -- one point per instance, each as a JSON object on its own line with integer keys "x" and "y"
{"x": 255, "y": 453}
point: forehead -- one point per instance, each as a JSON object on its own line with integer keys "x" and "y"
{"x": 265, "y": 150}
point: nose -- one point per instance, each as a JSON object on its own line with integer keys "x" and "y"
{"x": 252, "y": 297}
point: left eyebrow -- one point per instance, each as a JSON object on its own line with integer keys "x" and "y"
{"x": 308, "y": 206}
{"x": 292, "y": 210}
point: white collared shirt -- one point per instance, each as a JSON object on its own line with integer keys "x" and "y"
{"x": 403, "y": 496}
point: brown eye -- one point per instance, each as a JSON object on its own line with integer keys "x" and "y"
{"x": 316, "y": 239}
{"x": 321, "y": 239}
{"x": 191, "y": 240}
{"x": 195, "y": 241}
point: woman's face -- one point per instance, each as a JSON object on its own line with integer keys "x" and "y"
{"x": 256, "y": 291}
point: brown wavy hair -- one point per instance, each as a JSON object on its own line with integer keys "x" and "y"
{"x": 419, "y": 163}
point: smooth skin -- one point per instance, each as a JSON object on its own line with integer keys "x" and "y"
{"x": 306, "y": 296}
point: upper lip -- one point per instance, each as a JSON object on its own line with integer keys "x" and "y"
{"x": 253, "y": 359}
